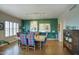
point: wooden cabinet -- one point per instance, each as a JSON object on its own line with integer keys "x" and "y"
{"x": 71, "y": 40}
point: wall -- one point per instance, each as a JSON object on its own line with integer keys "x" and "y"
{"x": 53, "y": 22}
{"x": 70, "y": 18}
{"x": 4, "y": 17}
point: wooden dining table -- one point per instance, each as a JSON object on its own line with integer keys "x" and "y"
{"x": 40, "y": 39}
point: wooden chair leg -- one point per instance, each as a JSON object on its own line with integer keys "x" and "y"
{"x": 34, "y": 48}
{"x": 40, "y": 45}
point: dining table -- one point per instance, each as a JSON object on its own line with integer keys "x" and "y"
{"x": 40, "y": 39}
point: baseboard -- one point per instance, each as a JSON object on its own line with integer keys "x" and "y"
{"x": 52, "y": 39}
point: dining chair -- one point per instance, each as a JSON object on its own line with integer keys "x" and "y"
{"x": 31, "y": 41}
{"x": 18, "y": 37}
{"x": 44, "y": 42}
{"x": 18, "y": 34}
{"x": 23, "y": 40}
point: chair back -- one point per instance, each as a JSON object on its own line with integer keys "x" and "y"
{"x": 31, "y": 40}
{"x": 18, "y": 34}
{"x": 23, "y": 39}
{"x": 44, "y": 42}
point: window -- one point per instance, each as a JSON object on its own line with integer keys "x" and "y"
{"x": 33, "y": 26}
{"x": 14, "y": 28}
{"x": 7, "y": 28}
{"x": 17, "y": 27}
{"x": 11, "y": 28}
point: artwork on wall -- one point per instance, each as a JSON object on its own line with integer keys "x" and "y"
{"x": 1, "y": 26}
{"x": 44, "y": 27}
{"x": 33, "y": 26}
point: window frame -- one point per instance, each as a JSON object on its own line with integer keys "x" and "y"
{"x": 11, "y": 29}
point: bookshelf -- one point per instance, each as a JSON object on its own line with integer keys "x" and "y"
{"x": 71, "y": 40}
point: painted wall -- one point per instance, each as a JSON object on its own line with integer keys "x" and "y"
{"x": 53, "y": 23}
{"x": 4, "y": 17}
{"x": 69, "y": 18}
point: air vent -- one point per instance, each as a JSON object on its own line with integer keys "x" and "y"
{"x": 72, "y": 7}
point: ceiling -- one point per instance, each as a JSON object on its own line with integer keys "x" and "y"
{"x": 34, "y": 11}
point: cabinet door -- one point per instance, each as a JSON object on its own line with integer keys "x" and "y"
{"x": 75, "y": 40}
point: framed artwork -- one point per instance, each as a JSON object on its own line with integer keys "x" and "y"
{"x": 44, "y": 27}
{"x": 1, "y": 26}
{"x": 33, "y": 26}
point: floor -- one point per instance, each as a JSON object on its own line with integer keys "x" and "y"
{"x": 52, "y": 48}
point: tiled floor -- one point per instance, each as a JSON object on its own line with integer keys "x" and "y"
{"x": 52, "y": 48}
